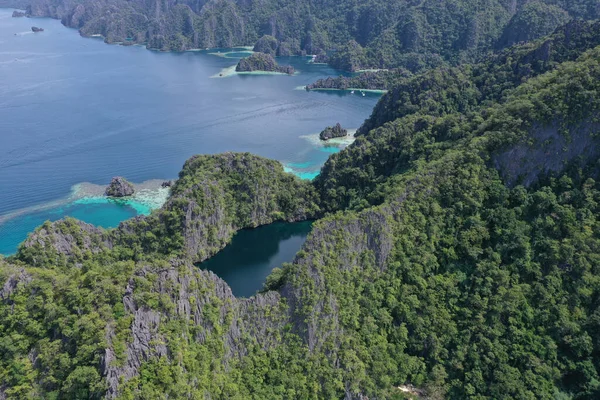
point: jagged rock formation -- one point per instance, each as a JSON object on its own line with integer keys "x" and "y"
{"x": 213, "y": 197}
{"x": 333, "y": 132}
{"x": 119, "y": 187}
{"x": 262, "y": 62}
{"x": 216, "y": 196}
{"x": 53, "y": 243}
{"x": 351, "y": 57}
{"x": 515, "y": 65}
{"x": 321, "y": 59}
{"x": 18, "y": 14}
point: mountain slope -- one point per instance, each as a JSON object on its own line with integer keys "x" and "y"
{"x": 372, "y": 34}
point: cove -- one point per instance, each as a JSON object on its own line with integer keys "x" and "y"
{"x": 253, "y": 253}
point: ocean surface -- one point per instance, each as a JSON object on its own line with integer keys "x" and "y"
{"x": 74, "y": 112}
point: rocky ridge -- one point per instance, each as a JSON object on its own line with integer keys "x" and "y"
{"x": 262, "y": 62}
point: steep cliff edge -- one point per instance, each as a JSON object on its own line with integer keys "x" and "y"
{"x": 214, "y": 197}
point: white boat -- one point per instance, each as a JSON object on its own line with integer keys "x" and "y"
{"x": 352, "y": 92}
{"x": 363, "y": 93}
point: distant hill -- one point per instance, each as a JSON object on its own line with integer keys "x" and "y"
{"x": 356, "y": 34}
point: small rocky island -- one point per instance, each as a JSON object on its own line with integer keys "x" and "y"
{"x": 262, "y": 62}
{"x": 333, "y": 132}
{"x": 36, "y": 29}
{"x": 18, "y": 14}
{"x": 119, "y": 187}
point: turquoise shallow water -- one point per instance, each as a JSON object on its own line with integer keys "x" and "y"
{"x": 75, "y": 110}
{"x": 107, "y": 214}
{"x": 253, "y": 253}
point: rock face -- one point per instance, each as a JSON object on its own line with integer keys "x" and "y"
{"x": 333, "y": 132}
{"x": 166, "y": 184}
{"x": 532, "y": 21}
{"x": 215, "y": 196}
{"x": 262, "y": 62}
{"x": 55, "y": 242}
{"x": 36, "y": 29}
{"x": 18, "y": 14}
{"x": 119, "y": 187}
{"x": 267, "y": 44}
{"x": 380, "y": 290}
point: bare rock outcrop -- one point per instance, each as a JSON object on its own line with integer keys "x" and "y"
{"x": 332, "y": 132}
{"x": 119, "y": 187}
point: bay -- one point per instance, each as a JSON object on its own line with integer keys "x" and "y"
{"x": 75, "y": 110}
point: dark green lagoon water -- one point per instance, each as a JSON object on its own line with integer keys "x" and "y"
{"x": 247, "y": 261}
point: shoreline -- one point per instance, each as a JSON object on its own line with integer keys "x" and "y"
{"x": 230, "y": 71}
{"x": 376, "y": 91}
{"x": 307, "y": 170}
{"x": 149, "y": 195}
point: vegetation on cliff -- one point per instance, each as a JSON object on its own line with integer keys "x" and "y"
{"x": 262, "y": 62}
{"x": 460, "y": 255}
{"x": 360, "y": 34}
{"x": 509, "y": 67}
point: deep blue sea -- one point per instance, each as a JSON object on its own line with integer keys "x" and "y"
{"x": 75, "y": 110}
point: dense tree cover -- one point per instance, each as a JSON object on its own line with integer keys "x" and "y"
{"x": 439, "y": 265}
{"x": 356, "y": 34}
{"x": 213, "y": 198}
{"x": 533, "y": 20}
{"x": 406, "y": 120}
{"x": 492, "y": 75}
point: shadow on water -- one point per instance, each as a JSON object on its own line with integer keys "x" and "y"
{"x": 253, "y": 253}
